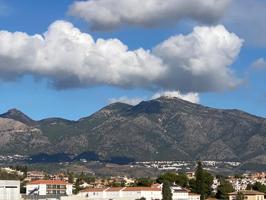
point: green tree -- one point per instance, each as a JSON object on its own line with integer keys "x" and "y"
{"x": 70, "y": 176}
{"x": 192, "y": 184}
{"x": 240, "y": 196}
{"x": 142, "y": 198}
{"x": 259, "y": 187}
{"x": 249, "y": 187}
{"x": 180, "y": 179}
{"x": 168, "y": 176}
{"x": 145, "y": 182}
{"x": 203, "y": 182}
{"x": 77, "y": 187}
{"x": 166, "y": 192}
{"x": 223, "y": 189}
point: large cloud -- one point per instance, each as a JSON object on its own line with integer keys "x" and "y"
{"x": 200, "y": 61}
{"x": 109, "y": 14}
{"x": 196, "y": 62}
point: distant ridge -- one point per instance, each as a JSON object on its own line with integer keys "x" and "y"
{"x": 18, "y": 116}
{"x": 160, "y": 129}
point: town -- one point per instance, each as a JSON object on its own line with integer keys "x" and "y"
{"x": 19, "y": 183}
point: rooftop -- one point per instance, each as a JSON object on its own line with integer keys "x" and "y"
{"x": 116, "y": 189}
{"x": 48, "y": 182}
{"x": 247, "y": 192}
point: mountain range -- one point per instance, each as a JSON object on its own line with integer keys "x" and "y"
{"x": 160, "y": 129}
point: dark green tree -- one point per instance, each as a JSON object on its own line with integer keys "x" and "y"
{"x": 223, "y": 189}
{"x": 180, "y": 179}
{"x": 145, "y": 182}
{"x": 166, "y": 192}
{"x": 203, "y": 182}
{"x": 70, "y": 176}
{"x": 192, "y": 184}
{"x": 259, "y": 187}
{"x": 77, "y": 184}
{"x": 142, "y": 198}
{"x": 240, "y": 196}
{"x": 170, "y": 177}
{"x": 249, "y": 187}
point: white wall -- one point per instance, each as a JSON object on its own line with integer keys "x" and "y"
{"x": 43, "y": 189}
{"x": 69, "y": 189}
{"x": 9, "y": 190}
{"x": 73, "y": 197}
{"x": 122, "y": 195}
{"x": 31, "y": 187}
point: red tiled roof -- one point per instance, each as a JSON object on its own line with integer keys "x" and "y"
{"x": 48, "y": 182}
{"x": 141, "y": 189}
{"x": 156, "y": 185}
{"x": 114, "y": 189}
{"x": 124, "y": 189}
{"x": 93, "y": 190}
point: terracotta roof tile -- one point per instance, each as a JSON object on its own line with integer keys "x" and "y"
{"x": 141, "y": 189}
{"x": 93, "y": 190}
{"x": 48, "y": 182}
{"x": 114, "y": 189}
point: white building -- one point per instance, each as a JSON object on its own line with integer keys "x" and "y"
{"x": 180, "y": 193}
{"x": 9, "y": 190}
{"x": 48, "y": 187}
{"x": 122, "y": 193}
{"x": 132, "y": 193}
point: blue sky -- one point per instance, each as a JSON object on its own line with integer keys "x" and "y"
{"x": 32, "y": 92}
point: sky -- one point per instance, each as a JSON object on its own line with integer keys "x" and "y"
{"x": 70, "y": 58}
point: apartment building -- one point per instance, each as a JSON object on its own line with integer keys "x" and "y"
{"x": 131, "y": 193}
{"x": 122, "y": 193}
{"x": 48, "y": 187}
{"x": 180, "y": 193}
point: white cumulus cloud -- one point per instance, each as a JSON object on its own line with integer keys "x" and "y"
{"x": 259, "y": 64}
{"x": 191, "y": 96}
{"x": 124, "y": 99}
{"x": 200, "y": 61}
{"x": 109, "y": 14}
{"x": 68, "y": 58}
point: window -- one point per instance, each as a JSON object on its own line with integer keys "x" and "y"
{"x": 11, "y": 187}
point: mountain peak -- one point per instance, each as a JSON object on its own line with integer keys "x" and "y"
{"x": 14, "y": 111}
{"x": 17, "y": 115}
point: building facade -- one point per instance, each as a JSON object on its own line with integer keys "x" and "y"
{"x": 48, "y": 187}
{"x": 133, "y": 193}
{"x": 180, "y": 193}
{"x": 9, "y": 190}
{"x": 247, "y": 194}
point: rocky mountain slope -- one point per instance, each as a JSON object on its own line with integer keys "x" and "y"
{"x": 160, "y": 129}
